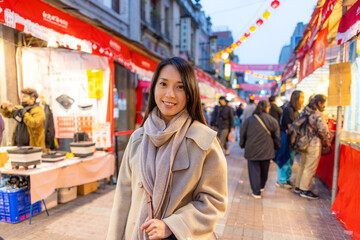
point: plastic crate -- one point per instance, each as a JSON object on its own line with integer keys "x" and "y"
{"x": 15, "y": 206}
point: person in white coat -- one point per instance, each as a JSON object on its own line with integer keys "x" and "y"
{"x": 172, "y": 182}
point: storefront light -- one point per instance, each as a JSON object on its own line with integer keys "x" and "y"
{"x": 261, "y": 82}
{"x": 52, "y": 42}
{"x": 295, "y": 81}
{"x": 225, "y": 55}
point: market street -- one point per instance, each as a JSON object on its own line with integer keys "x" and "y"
{"x": 279, "y": 215}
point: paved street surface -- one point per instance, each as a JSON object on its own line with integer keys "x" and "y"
{"x": 281, "y": 214}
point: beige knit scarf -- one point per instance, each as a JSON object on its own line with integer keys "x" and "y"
{"x": 159, "y": 147}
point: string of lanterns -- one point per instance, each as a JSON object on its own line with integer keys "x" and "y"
{"x": 276, "y": 77}
{"x": 225, "y": 53}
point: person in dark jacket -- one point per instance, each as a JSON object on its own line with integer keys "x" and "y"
{"x": 222, "y": 119}
{"x": 260, "y": 136}
{"x": 275, "y": 111}
{"x": 285, "y": 156}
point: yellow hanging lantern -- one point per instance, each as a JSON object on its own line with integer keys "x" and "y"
{"x": 228, "y": 50}
{"x": 252, "y": 28}
{"x": 266, "y": 14}
{"x": 234, "y": 45}
{"x": 243, "y": 39}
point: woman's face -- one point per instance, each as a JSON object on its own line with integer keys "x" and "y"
{"x": 301, "y": 99}
{"x": 169, "y": 93}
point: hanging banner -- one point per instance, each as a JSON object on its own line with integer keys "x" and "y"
{"x": 339, "y": 92}
{"x": 327, "y": 9}
{"x": 320, "y": 49}
{"x": 61, "y": 29}
{"x": 349, "y": 25}
{"x": 142, "y": 65}
{"x": 256, "y": 87}
{"x": 257, "y": 67}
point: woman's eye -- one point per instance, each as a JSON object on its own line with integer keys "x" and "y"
{"x": 181, "y": 86}
{"x": 162, "y": 84}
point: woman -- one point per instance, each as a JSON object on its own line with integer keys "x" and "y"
{"x": 175, "y": 161}
{"x": 319, "y": 135}
{"x": 285, "y": 156}
{"x": 259, "y": 135}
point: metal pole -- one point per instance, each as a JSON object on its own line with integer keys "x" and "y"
{"x": 116, "y": 157}
{"x": 337, "y": 155}
{"x": 337, "y": 135}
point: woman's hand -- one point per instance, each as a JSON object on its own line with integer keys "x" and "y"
{"x": 156, "y": 229}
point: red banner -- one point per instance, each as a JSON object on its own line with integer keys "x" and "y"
{"x": 349, "y": 25}
{"x": 255, "y": 67}
{"x": 346, "y": 204}
{"x": 59, "y": 28}
{"x": 315, "y": 57}
{"x": 143, "y": 65}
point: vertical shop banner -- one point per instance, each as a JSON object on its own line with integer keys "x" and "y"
{"x": 61, "y": 77}
{"x": 339, "y": 92}
{"x": 307, "y": 64}
{"x": 185, "y": 34}
{"x": 349, "y": 25}
{"x": 213, "y": 49}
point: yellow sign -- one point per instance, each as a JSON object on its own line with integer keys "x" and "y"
{"x": 95, "y": 83}
{"x": 339, "y": 92}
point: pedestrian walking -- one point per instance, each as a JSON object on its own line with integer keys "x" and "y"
{"x": 30, "y": 119}
{"x": 205, "y": 113}
{"x": 319, "y": 137}
{"x": 285, "y": 156}
{"x": 222, "y": 120}
{"x": 260, "y": 136}
{"x": 172, "y": 182}
{"x": 275, "y": 111}
{"x": 249, "y": 110}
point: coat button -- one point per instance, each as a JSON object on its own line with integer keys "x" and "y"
{"x": 140, "y": 185}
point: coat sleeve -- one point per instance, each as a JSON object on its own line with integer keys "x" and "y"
{"x": 7, "y": 112}
{"x": 122, "y": 199}
{"x": 197, "y": 219}
{"x": 276, "y": 135}
{"x": 35, "y": 118}
{"x": 243, "y": 131}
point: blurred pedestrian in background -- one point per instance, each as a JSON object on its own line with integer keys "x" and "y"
{"x": 260, "y": 136}
{"x": 285, "y": 156}
{"x": 205, "y": 113}
{"x": 222, "y": 119}
{"x": 275, "y": 111}
{"x": 172, "y": 182}
{"x": 319, "y": 137}
{"x": 249, "y": 110}
{"x": 30, "y": 118}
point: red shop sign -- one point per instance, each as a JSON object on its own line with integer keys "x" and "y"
{"x": 56, "y": 27}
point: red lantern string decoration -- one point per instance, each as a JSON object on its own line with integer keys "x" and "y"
{"x": 276, "y": 77}
{"x": 274, "y": 4}
{"x": 259, "y": 22}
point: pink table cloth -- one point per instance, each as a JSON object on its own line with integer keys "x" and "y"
{"x": 67, "y": 173}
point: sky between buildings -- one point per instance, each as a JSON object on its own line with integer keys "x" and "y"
{"x": 264, "y": 45}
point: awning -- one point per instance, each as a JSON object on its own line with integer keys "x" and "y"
{"x": 61, "y": 29}
{"x": 143, "y": 65}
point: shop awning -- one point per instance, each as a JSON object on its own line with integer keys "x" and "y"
{"x": 143, "y": 65}
{"x": 61, "y": 29}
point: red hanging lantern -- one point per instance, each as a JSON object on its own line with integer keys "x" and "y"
{"x": 275, "y": 4}
{"x": 259, "y": 22}
{"x": 247, "y": 34}
{"x": 238, "y": 42}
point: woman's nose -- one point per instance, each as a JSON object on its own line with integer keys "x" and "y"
{"x": 170, "y": 92}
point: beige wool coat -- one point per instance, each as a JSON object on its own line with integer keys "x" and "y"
{"x": 197, "y": 196}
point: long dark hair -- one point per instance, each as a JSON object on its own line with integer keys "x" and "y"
{"x": 294, "y": 100}
{"x": 191, "y": 87}
{"x": 261, "y": 107}
{"x": 314, "y": 102}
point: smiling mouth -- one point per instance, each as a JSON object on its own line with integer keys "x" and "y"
{"x": 169, "y": 103}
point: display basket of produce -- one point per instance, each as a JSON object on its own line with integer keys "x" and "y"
{"x": 15, "y": 206}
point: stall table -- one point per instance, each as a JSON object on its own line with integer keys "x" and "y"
{"x": 48, "y": 177}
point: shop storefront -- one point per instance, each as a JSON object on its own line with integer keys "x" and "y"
{"x": 329, "y": 66}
